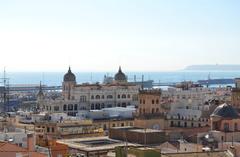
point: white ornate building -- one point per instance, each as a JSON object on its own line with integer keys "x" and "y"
{"x": 76, "y": 97}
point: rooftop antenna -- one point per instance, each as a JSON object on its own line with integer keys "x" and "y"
{"x": 142, "y": 80}
{"x": 43, "y": 78}
{"x": 91, "y": 78}
{"x": 6, "y": 90}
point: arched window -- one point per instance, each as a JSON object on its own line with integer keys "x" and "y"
{"x": 153, "y": 110}
{"x": 140, "y": 101}
{"x": 97, "y": 106}
{"x": 97, "y": 97}
{"x": 64, "y": 107}
{"x": 124, "y": 96}
{"x": 92, "y": 106}
{"x": 70, "y": 107}
{"x": 153, "y": 101}
{"x": 76, "y": 107}
{"x": 103, "y": 97}
{"x": 185, "y": 124}
{"x": 157, "y": 101}
{"x": 119, "y": 96}
{"x": 109, "y": 97}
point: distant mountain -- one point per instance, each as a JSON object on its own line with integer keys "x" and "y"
{"x": 216, "y": 67}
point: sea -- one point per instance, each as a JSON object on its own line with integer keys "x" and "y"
{"x": 56, "y": 78}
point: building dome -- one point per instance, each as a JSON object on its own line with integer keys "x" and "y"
{"x": 225, "y": 111}
{"x": 120, "y": 76}
{"x": 69, "y": 76}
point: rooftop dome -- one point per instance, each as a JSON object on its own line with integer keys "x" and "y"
{"x": 225, "y": 111}
{"x": 69, "y": 76}
{"x": 120, "y": 76}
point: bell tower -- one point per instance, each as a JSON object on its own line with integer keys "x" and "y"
{"x": 69, "y": 82}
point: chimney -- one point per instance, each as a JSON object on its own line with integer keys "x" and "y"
{"x": 30, "y": 142}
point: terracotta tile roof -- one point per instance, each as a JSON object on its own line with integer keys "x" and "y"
{"x": 6, "y": 147}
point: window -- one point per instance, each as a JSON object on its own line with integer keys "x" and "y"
{"x": 128, "y": 96}
{"x": 83, "y": 98}
{"x": 92, "y": 97}
{"x": 179, "y": 124}
{"x": 135, "y": 97}
{"x": 48, "y": 129}
{"x": 124, "y": 105}
{"x": 153, "y": 101}
{"x": 56, "y": 108}
{"x": 97, "y": 97}
{"x": 104, "y": 127}
{"x": 92, "y": 106}
{"x": 226, "y": 127}
{"x": 185, "y": 124}
{"x": 124, "y": 96}
{"x": 52, "y": 129}
{"x": 119, "y": 96}
{"x": 103, "y": 97}
{"x": 109, "y": 97}
{"x": 140, "y": 101}
{"x": 64, "y": 107}
{"x": 122, "y": 124}
{"x": 70, "y": 107}
{"x": 172, "y": 124}
{"x": 157, "y": 101}
{"x": 113, "y": 125}
{"x": 102, "y": 105}
{"x": 97, "y": 106}
{"x": 76, "y": 107}
{"x": 153, "y": 110}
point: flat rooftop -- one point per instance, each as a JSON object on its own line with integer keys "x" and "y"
{"x": 92, "y": 144}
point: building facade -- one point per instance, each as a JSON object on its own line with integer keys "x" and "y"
{"x": 76, "y": 97}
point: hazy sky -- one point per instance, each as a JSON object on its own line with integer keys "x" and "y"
{"x": 149, "y": 35}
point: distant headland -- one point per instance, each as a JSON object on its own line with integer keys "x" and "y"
{"x": 216, "y": 67}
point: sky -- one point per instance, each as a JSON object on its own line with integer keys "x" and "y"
{"x": 100, "y": 35}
